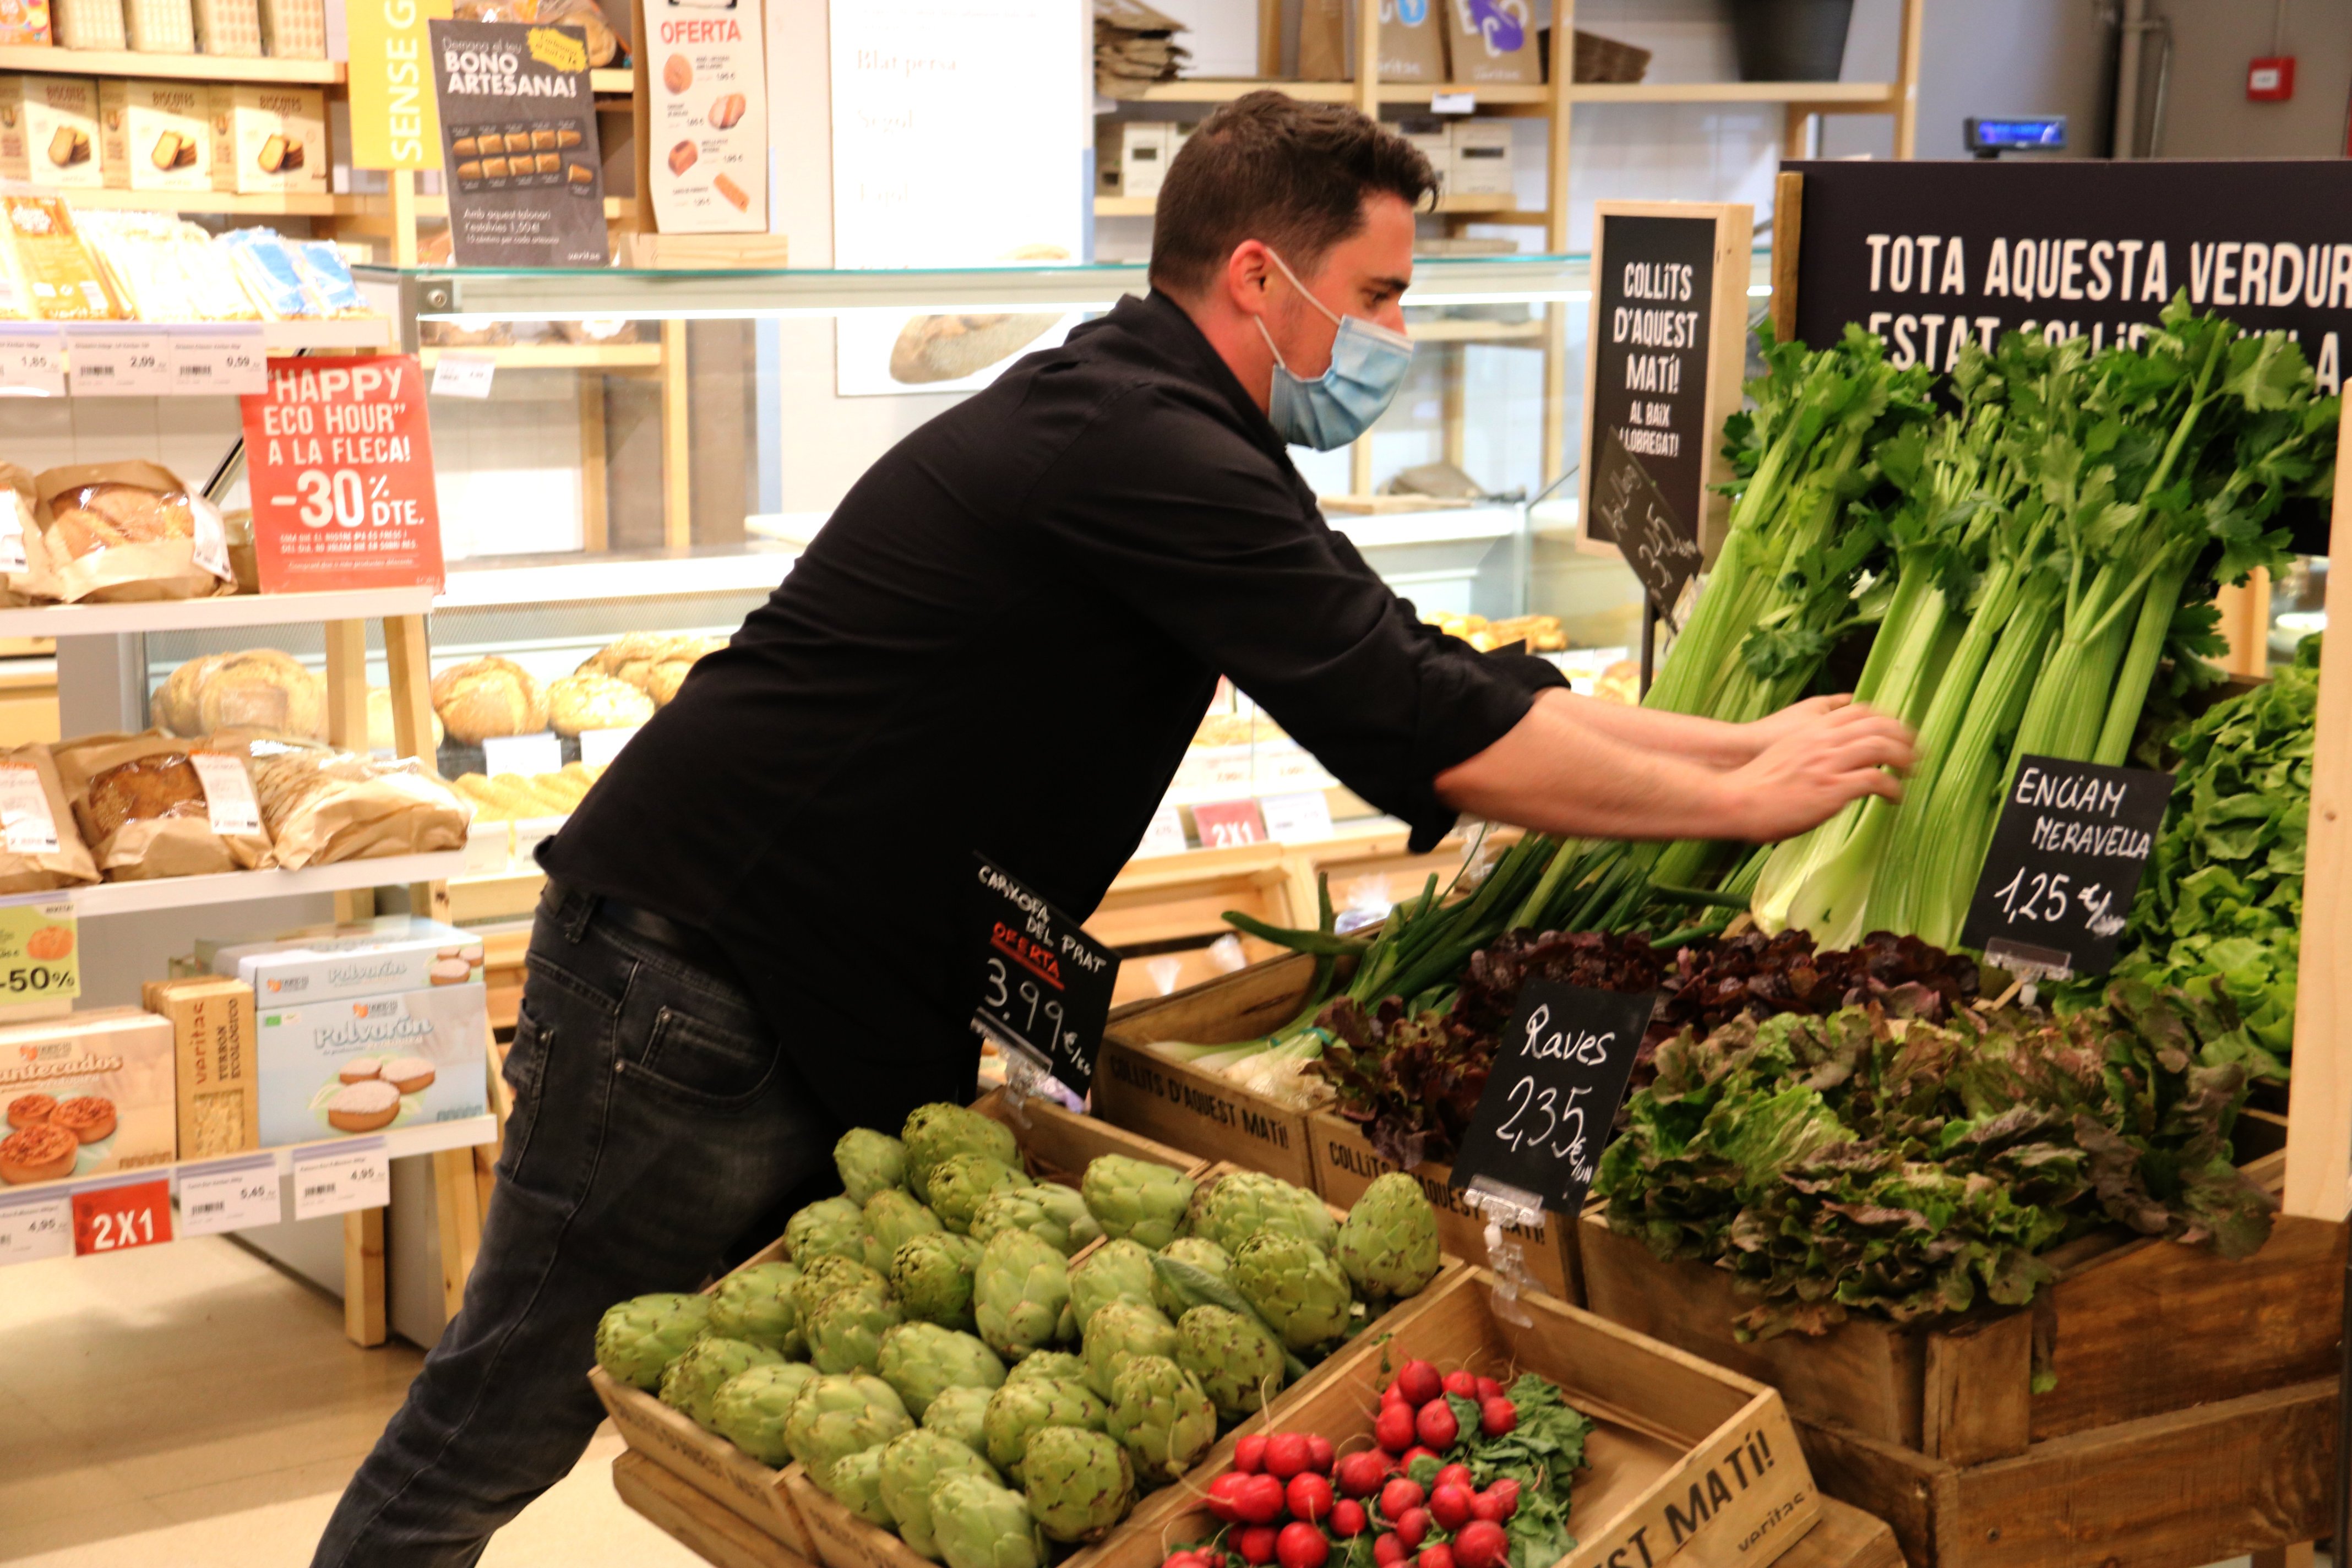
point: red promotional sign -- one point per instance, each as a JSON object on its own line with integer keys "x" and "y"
{"x": 339, "y": 465}
{"x": 109, "y": 1219}
{"x": 1229, "y": 823}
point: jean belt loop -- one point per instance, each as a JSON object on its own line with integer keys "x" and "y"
{"x": 579, "y": 908}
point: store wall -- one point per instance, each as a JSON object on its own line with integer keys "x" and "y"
{"x": 1989, "y": 57}
{"x": 2208, "y": 115}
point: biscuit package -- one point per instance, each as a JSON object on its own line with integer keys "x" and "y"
{"x": 48, "y": 132}
{"x": 155, "y": 134}
{"x": 268, "y": 138}
{"x": 394, "y": 952}
{"x": 149, "y": 805}
{"x": 363, "y": 1063}
{"x": 163, "y": 268}
{"x": 218, "y": 1094}
{"x": 127, "y": 531}
{"x": 321, "y": 804}
{"x": 86, "y": 1095}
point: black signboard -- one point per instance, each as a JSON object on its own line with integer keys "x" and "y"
{"x": 520, "y": 159}
{"x": 2067, "y": 858}
{"x": 1045, "y": 984}
{"x": 1652, "y": 322}
{"x": 1552, "y": 1095}
{"x": 1660, "y": 546}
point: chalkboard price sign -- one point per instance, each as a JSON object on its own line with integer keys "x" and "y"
{"x": 1659, "y": 545}
{"x": 1562, "y": 1068}
{"x": 2067, "y": 855}
{"x": 1045, "y": 984}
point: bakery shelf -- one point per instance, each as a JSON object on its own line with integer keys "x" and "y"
{"x": 497, "y": 583}
{"x": 237, "y": 887}
{"x": 1829, "y": 96}
{"x": 50, "y": 61}
{"x": 204, "y": 615}
{"x": 560, "y": 356}
{"x": 1208, "y": 90}
{"x": 277, "y": 204}
{"x": 1144, "y": 207}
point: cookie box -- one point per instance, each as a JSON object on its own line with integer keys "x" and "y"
{"x": 365, "y": 1064}
{"x": 397, "y": 953}
{"x": 86, "y": 1095}
{"x": 268, "y": 138}
{"x": 155, "y": 135}
{"x": 48, "y": 131}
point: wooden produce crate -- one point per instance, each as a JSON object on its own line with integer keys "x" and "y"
{"x": 679, "y": 1510}
{"x": 1687, "y": 1457}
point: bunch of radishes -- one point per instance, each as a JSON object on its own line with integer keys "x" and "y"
{"x": 1288, "y": 1497}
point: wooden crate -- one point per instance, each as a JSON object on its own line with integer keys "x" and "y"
{"x": 1688, "y": 1459}
{"x": 679, "y": 1510}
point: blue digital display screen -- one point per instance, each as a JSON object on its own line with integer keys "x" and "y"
{"x": 2045, "y": 133}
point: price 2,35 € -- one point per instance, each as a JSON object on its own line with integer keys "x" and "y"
{"x": 2051, "y": 899}
{"x": 1543, "y": 1119}
{"x": 346, "y": 499}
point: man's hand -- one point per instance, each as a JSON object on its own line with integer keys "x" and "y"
{"x": 1829, "y": 752}
{"x": 1797, "y": 718}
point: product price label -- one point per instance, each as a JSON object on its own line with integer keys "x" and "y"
{"x": 27, "y": 824}
{"x": 457, "y": 374}
{"x": 40, "y": 949}
{"x": 228, "y": 793}
{"x": 35, "y": 1226}
{"x": 220, "y": 360}
{"x": 1165, "y": 835}
{"x": 599, "y": 747}
{"x": 1626, "y": 503}
{"x": 229, "y": 1195}
{"x": 1045, "y": 985}
{"x": 1229, "y": 823}
{"x": 337, "y": 1178}
{"x": 122, "y": 1214}
{"x": 1552, "y": 1095}
{"x": 119, "y": 361}
{"x": 2067, "y": 855}
{"x": 525, "y": 754}
{"x": 1304, "y": 818}
{"x": 1454, "y": 103}
{"x": 339, "y": 465}
{"x": 32, "y": 361}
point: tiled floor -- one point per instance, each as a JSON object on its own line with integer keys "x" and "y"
{"x": 189, "y": 1406}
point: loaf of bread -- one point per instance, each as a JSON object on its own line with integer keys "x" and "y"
{"x": 125, "y": 531}
{"x": 145, "y": 809}
{"x": 592, "y": 701}
{"x": 654, "y": 663}
{"x": 949, "y": 348}
{"x": 144, "y": 789}
{"x": 98, "y": 517}
{"x": 487, "y": 696}
{"x": 323, "y": 806}
{"x": 257, "y": 689}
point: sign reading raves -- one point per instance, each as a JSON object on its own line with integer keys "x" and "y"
{"x": 341, "y": 467}
{"x": 1045, "y": 984}
{"x": 2067, "y": 858}
{"x": 1562, "y": 1068}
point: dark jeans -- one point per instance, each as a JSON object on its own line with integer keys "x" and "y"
{"x": 654, "y": 1122}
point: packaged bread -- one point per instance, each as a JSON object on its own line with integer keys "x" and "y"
{"x": 128, "y": 531}
{"x": 592, "y": 701}
{"x": 60, "y": 279}
{"x": 321, "y": 804}
{"x": 152, "y": 805}
{"x": 24, "y": 556}
{"x": 40, "y": 844}
{"x": 163, "y": 268}
{"x": 487, "y": 696}
{"x": 259, "y": 689}
{"x": 381, "y": 734}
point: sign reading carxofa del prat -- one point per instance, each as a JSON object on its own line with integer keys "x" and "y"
{"x": 1931, "y": 255}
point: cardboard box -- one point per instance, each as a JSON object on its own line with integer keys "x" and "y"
{"x": 1143, "y": 154}
{"x": 1433, "y": 138}
{"x": 48, "y": 132}
{"x": 360, "y": 1065}
{"x": 24, "y": 22}
{"x": 267, "y": 138}
{"x": 1482, "y": 159}
{"x": 213, "y": 1050}
{"x": 155, "y": 135}
{"x": 86, "y": 1095}
{"x": 398, "y": 953}
{"x": 1493, "y": 41}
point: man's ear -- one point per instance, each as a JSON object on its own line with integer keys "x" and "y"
{"x": 1248, "y": 272}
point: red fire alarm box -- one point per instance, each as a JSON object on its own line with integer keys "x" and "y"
{"x": 2270, "y": 80}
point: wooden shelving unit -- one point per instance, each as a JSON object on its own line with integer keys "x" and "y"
{"x": 50, "y": 61}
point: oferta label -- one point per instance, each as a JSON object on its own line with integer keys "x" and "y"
{"x": 2067, "y": 855}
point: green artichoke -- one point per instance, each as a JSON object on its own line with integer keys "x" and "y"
{"x": 1199, "y": 1252}
{"x": 933, "y": 1275}
{"x": 1117, "y": 1270}
{"x": 1138, "y": 1199}
{"x": 870, "y": 1162}
{"x": 830, "y": 1227}
{"x": 1239, "y": 1367}
{"x": 1243, "y": 1204}
{"x": 1121, "y": 1330}
{"x": 691, "y": 1382}
{"x": 960, "y": 1183}
{"x": 837, "y": 1415}
{"x": 1162, "y": 1416}
{"x": 956, "y": 1413}
{"x": 827, "y": 1277}
{"x": 1021, "y": 1294}
{"x": 1388, "y": 1243}
{"x": 1079, "y": 1483}
{"x": 936, "y": 1133}
{"x": 1294, "y": 1285}
{"x": 636, "y": 1339}
{"x": 923, "y": 1360}
{"x": 1018, "y": 1409}
{"x": 979, "y": 1524}
{"x": 1047, "y": 1363}
{"x": 846, "y": 1335}
{"x": 857, "y": 1487}
{"x": 894, "y": 1218}
{"x": 1050, "y": 1210}
{"x": 750, "y": 1407}
{"x": 911, "y": 1462}
{"x": 756, "y": 1304}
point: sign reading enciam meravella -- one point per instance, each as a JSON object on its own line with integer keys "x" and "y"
{"x": 1929, "y": 255}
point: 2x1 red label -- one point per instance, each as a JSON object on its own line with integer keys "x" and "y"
{"x": 110, "y": 1219}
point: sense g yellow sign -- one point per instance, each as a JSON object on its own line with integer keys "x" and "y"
{"x": 395, "y": 123}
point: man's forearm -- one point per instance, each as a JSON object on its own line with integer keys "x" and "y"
{"x": 1557, "y": 775}
{"x": 1708, "y": 742}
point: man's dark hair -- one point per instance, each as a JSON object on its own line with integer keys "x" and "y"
{"x": 1289, "y": 174}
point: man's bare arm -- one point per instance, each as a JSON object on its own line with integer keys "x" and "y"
{"x": 1710, "y": 741}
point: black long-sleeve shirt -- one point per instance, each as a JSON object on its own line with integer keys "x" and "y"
{"x": 1002, "y": 643}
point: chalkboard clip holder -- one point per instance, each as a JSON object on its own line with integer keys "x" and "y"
{"x": 1500, "y": 1204}
{"x": 2029, "y": 965}
{"x": 1026, "y": 1071}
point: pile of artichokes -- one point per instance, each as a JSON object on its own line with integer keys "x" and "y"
{"x": 933, "y": 1358}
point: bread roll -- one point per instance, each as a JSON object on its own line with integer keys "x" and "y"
{"x": 592, "y": 701}
{"x": 487, "y": 696}
{"x": 948, "y": 348}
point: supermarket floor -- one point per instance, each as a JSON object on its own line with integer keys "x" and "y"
{"x": 191, "y": 1407}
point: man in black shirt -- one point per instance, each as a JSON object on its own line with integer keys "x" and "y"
{"x": 758, "y": 928}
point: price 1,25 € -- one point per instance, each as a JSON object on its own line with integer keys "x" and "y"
{"x": 2053, "y": 897}
{"x": 345, "y": 497}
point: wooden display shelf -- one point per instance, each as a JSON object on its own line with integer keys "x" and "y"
{"x": 1144, "y": 207}
{"x": 560, "y": 356}
{"x": 216, "y": 614}
{"x": 1208, "y": 90}
{"x": 235, "y": 887}
{"x": 1831, "y": 96}
{"x": 50, "y": 61}
{"x": 273, "y": 203}
{"x": 1826, "y": 97}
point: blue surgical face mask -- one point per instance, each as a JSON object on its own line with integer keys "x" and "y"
{"x": 1367, "y": 364}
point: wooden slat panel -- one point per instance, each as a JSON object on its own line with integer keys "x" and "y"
{"x": 686, "y": 1516}
{"x": 1977, "y": 1385}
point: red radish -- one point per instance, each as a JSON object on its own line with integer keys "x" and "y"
{"x": 1388, "y": 1551}
{"x": 1393, "y": 1394}
{"x": 1318, "y": 1453}
{"x": 1301, "y": 1546}
{"x": 1349, "y": 1518}
{"x": 1438, "y": 1556}
{"x": 1396, "y": 1497}
{"x": 1211, "y": 1557}
{"x": 1456, "y": 1475}
{"x": 1224, "y": 1496}
{"x": 1361, "y": 1474}
{"x": 1481, "y": 1544}
{"x": 1257, "y": 1543}
{"x": 1449, "y": 1505}
{"x": 1184, "y": 1559}
{"x": 1462, "y": 1383}
{"x": 1420, "y": 1382}
{"x": 1393, "y": 1430}
{"x": 1260, "y": 1500}
{"x": 1505, "y": 1495}
{"x": 1413, "y": 1527}
{"x": 1435, "y": 1425}
{"x": 1249, "y": 1453}
{"x": 1487, "y": 1506}
{"x": 1488, "y": 1388}
{"x": 1286, "y": 1454}
{"x": 1308, "y": 1497}
{"x": 1497, "y": 1416}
